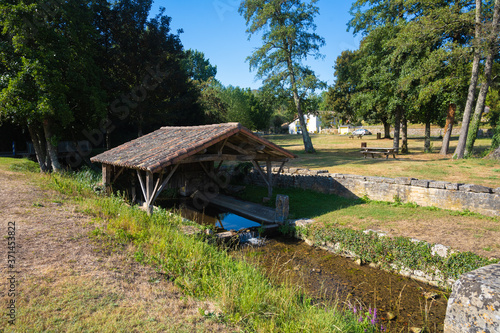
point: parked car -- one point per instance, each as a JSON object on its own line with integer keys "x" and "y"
{"x": 362, "y": 131}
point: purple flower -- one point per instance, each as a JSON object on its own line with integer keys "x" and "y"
{"x": 354, "y": 310}
{"x": 360, "y": 319}
{"x": 374, "y": 319}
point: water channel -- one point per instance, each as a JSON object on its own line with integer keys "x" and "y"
{"x": 402, "y": 303}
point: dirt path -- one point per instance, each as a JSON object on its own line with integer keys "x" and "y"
{"x": 66, "y": 281}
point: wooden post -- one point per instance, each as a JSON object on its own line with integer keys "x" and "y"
{"x": 269, "y": 167}
{"x": 107, "y": 174}
{"x": 149, "y": 191}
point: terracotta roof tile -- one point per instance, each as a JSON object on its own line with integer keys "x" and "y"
{"x": 169, "y": 145}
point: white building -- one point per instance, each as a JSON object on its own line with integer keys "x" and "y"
{"x": 313, "y": 125}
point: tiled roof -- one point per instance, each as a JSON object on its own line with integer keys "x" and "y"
{"x": 170, "y": 145}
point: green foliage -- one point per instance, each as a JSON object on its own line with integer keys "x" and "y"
{"x": 399, "y": 251}
{"x": 288, "y": 37}
{"x": 198, "y": 67}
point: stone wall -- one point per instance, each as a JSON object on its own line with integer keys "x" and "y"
{"x": 474, "y": 304}
{"x": 453, "y": 196}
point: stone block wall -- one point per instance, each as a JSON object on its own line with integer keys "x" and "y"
{"x": 453, "y": 196}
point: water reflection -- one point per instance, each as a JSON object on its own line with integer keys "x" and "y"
{"x": 209, "y": 216}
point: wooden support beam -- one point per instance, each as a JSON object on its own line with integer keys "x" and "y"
{"x": 118, "y": 174}
{"x": 218, "y": 167}
{"x": 269, "y": 167}
{"x": 142, "y": 184}
{"x": 165, "y": 182}
{"x": 222, "y": 147}
{"x": 107, "y": 173}
{"x": 259, "y": 169}
{"x": 149, "y": 190}
{"x": 227, "y": 157}
{"x": 160, "y": 176}
{"x": 279, "y": 172}
{"x": 238, "y": 149}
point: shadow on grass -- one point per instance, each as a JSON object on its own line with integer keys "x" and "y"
{"x": 303, "y": 203}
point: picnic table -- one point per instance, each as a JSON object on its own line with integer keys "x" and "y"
{"x": 379, "y": 151}
{"x": 351, "y": 136}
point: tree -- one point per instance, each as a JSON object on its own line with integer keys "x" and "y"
{"x": 198, "y": 67}
{"x": 491, "y": 52}
{"x": 288, "y": 38}
{"x": 145, "y": 67}
{"x": 462, "y": 140}
{"x": 338, "y": 97}
{"x": 50, "y": 81}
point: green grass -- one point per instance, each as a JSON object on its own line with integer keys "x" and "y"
{"x": 331, "y": 207}
{"x": 196, "y": 265}
{"x": 339, "y": 154}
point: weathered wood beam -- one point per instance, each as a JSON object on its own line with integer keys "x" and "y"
{"x": 142, "y": 184}
{"x": 238, "y": 149}
{"x": 149, "y": 190}
{"x": 222, "y": 147}
{"x": 165, "y": 182}
{"x": 218, "y": 167}
{"x": 269, "y": 167}
{"x": 160, "y": 176}
{"x": 259, "y": 169}
{"x": 279, "y": 172}
{"x": 107, "y": 172}
{"x": 228, "y": 157}
{"x": 118, "y": 174}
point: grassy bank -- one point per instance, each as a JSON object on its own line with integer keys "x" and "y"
{"x": 244, "y": 295}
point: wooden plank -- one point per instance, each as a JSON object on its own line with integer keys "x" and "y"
{"x": 247, "y": 209}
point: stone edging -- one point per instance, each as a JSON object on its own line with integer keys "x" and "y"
{"x": 454, "y": 196}
{"x": 434, "y": 279}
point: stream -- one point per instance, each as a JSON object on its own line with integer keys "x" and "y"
{"x": 326, "y": 278}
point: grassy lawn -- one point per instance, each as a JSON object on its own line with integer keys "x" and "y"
{"x": 339, "y": 154}
{"x": 463, "y": 231}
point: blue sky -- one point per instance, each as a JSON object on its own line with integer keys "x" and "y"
{"x": 215, "y": 28}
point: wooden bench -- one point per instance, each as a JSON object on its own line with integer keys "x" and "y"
{"x": 379, "y": 151}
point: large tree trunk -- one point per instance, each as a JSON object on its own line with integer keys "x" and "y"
{"x": 404, "y": 136}
{"x": 387, "y": 128}
{"x": 460, "y": 150}
{"x": 308, "y": 146}
{"x": 427, "y": 141}
{"x": 39, "y": 145}
{"x": 450, "y": 118}
{"x": 495, "y": 154}
{"x": 51, "y": 147}
{"x": 488, "y": 66}
{"x": 397, "y": 127}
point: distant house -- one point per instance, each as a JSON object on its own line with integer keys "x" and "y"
{"x": 313, "y": 125}
{"x": 345, "y": 129}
